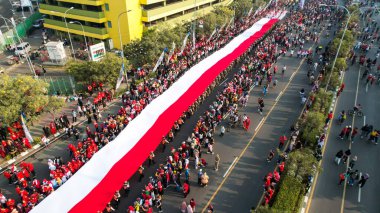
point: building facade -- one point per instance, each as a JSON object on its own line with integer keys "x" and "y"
{"x": 98, "y": 19}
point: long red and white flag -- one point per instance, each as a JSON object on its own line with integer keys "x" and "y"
{"x": 93, "y": 186}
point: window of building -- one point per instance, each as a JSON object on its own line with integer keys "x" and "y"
{"x": 107, "y": 7}
{"x": 109, "y": 24}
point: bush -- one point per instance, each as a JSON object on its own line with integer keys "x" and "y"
{"x": 301, "y": 164}
{"x": 36, "y": 140}
{"x": 312, "y": 128}
{"x": 322, "y": 101}
{"x": 288, "y": 198}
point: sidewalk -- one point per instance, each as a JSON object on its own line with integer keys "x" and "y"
{"x": 45, "y": 119}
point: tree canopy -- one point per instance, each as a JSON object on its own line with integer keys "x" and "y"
{"x": 24, "y": 94}
{"x": 106, "y": 70}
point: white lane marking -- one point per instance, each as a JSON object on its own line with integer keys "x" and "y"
{"x": 279, "y": 96}
{"x": 258, "y": 126}
{"x": 11, "y": 161}
{"x": 291, "y": 77}
{"x": 366, "y": 88}
{"x": 229, "y": 168}
{"x": 360, "y": 191}
{"x": 223, "y": 82}
{"x": 364, "y": 120}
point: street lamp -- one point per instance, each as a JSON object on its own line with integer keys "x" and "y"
{"x": 71, "y": 43}
{"x": 121, "y": 43}
{"x": 341, "y": 39}
{"x": 30, "y": 64}
{"x": 84, "y": 35}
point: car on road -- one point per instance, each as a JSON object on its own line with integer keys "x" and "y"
{"x": 23, "y": 49}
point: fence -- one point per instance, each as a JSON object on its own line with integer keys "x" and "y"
{"x": 64, "y": 85}
{"x": 22, "y": 28}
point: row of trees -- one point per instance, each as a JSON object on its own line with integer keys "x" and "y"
{"x": 302, "y": 162}
{"x": 146, "y": 50}
{"x": 25, "y": 94}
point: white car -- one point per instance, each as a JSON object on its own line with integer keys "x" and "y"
{"x": 23, "y": 49}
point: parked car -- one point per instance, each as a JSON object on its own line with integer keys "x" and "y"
{"x": 23, "y": 49}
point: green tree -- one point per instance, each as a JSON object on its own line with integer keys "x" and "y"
{"x": 24, "y": 94}
{"x": 241, "y": 7}
{"x": 106, "y": 70}
{"x": 312, "y": 127}
{"x": 301, "y": 164}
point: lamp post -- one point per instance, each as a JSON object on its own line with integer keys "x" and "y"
{"x": 121, "y": 43}
{"x": 71, "y": 43}
{"x": 84, "y": 35}
{"x": 30, "y": 64}
{"x": 341, "y": 39}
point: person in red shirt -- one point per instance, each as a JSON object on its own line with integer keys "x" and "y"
{"x": 8, "y": 176}
{"x": 283, "y": 138}
{"x": 186, "y": 189}
{"x": 329, "y": 117}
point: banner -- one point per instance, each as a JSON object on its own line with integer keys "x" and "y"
{"x": 212, "y": 34}
{"x": 98, "y": 51}
{"x": 26, "y": 130}
{"x": 160, "y": 59}
{"x": 171, "y": 53}
{"x": 93, "y": 186}
{"x": 121, "y": 76}
{"x": 184, "y": 43}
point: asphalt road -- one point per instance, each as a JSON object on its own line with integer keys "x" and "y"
{"x": 328, "y": 196}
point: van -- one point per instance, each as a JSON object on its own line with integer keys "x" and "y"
{"x": 23, "y": 48}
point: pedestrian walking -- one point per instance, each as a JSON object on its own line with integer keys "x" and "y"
{"x": 343, "y": 132}
{"x": 151, "y": 159}
{"x": 265, "y": 90}
{"x": 217, "y": 160}
{"x": 338, "y": 157}
{"x": 186, "y": 188}
{"x": 141, "y": 173}
{"x": 159, "y": 203}
{"x": 348, "y": 132}
{"x": 352, "y": 162}
{"x": 192, "y": 204}
{"x": 365, "y": 131}
{"x": 222, "y": 131}
{"x": 346, "y": 155}
{"x": 353, "y": 134}
{"x": 270, "y": 155}
{"x": 363, "y": 180}
{"x": 283, "y": 138}
{"x": 183, "y": 207}
{"x": 342, "y": 178}
{"x": 74, "y": 114}
{"x": 283, "y": 71}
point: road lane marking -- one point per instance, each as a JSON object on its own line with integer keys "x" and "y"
{"x": 366, "y": 87}
{"x": 278, "y": 97}
{"x": 233, "y": 162}
{"x": 223, "y": 82}
{"x": 260, "y": 124}
{"x": 291, "y": 77}
{"x": 323, "y": 151}
{"x": 350, "y": 145}
{"x": 360, "y": 190}
{"x": 249, "y": 142}
{"x": 364, "y": 120}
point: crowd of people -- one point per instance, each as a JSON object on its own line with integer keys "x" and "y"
{"x": 258, "y": 69}
{"x": 16, "y": 143}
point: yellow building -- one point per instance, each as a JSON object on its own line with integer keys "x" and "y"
{"x": 99, "y": 18}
